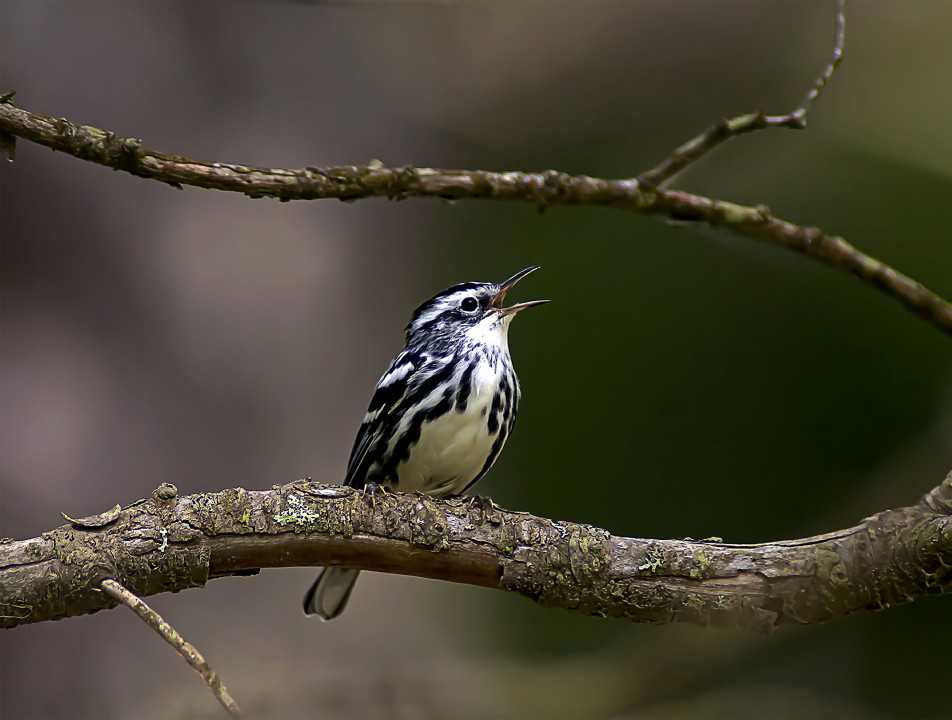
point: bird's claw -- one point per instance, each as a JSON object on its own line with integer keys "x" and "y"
{"x": 485, "y": 505}
{"x": 373, "y": 490}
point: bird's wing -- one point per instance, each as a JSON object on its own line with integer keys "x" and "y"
{"x": 391, "y": 389}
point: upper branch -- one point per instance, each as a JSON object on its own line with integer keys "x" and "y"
{"x": 542, "y": 188}
{"x": 170, "y": 543}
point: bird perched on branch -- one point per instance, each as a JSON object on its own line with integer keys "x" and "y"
{"x": 442, "y": 412}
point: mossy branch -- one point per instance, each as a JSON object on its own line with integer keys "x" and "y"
{"x": 169, "y": 543}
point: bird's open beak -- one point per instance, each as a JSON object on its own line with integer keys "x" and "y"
{"x": 506, "y": 286}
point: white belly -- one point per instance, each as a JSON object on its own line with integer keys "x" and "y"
{"x": 454, "y": 447}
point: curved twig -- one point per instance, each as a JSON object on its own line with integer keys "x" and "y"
{"x": 697, "y": 147}
{"x": 170, "y": 543}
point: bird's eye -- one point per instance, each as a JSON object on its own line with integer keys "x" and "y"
{"x": 469, "y": 304}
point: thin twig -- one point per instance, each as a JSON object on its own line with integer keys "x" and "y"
{"x": 716, "y": 135}
{"x": 839, "y": 51}
{"x": 184, "y": 648}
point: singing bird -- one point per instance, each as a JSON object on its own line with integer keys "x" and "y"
{"x": 440, "y": 414}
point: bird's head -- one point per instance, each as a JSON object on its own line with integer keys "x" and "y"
{"x": 472, "y": 309}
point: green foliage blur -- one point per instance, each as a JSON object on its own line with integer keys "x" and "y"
{"x": 688, "y": 383}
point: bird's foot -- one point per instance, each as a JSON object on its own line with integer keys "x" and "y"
{"x": 487, "y": 508}
{"x": 373, "y": 490}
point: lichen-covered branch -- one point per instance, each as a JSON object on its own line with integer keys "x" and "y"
{"x": 171, "y": 543}
{"x": 540, "y": 188}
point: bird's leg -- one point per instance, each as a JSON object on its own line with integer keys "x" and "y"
{"x": 482, "y": 502}
{"x": 373, "y": 490}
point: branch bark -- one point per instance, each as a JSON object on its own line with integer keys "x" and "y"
{"x": 169, "y": 543}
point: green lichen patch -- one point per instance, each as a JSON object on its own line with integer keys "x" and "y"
{"x": 236, "y": 508}
{"x": 702, "y": 568}
{"x": 653, "y": 562}
{"x": 301, "y": 513}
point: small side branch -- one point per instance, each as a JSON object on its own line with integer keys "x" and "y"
{"x": 716, "y": 135}
{"x": 184, "y": 648}
{"x": 839, "y": 51}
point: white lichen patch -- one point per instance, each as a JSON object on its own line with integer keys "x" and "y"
{"x": 296, "y": 512}
{"x": 165, "y": 539}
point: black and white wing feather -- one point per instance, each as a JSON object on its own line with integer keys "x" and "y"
{"x": 391, "y": 389}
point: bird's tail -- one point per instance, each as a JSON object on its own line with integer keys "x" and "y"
{"x": 329, "y": 594}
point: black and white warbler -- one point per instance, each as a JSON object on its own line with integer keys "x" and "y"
{"x": 442, "y": 412}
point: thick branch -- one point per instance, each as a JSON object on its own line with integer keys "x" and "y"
{"x": 543, "y": 189}
{"x": 169, "y": 543}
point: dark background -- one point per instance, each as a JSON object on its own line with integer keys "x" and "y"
{"x": 683, "y": 382}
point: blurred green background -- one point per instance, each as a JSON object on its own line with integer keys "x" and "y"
{"x": 684, "y": 382}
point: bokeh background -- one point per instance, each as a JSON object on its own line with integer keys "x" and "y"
{"x": 684, "y": 381}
